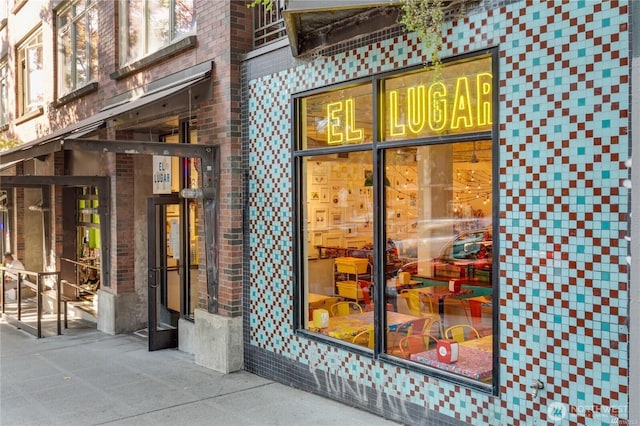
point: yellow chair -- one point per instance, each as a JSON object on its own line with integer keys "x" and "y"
{"x": 364, "y": 338}
{"x": 460, "y": 332}
{"x": 413, "y": 302}
{"x": 421, "y": 305}
{"x": 345, "y": 308}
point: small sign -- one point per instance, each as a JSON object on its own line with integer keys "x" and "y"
{"x": 161, "y": 174}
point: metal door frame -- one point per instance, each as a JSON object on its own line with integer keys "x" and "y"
{"x": 168, "y": 338}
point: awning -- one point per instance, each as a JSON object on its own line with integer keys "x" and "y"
{"x": 313, "y": 25}
{"x": 54, "y": 141}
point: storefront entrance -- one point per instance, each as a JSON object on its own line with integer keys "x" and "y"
{"x": 164, "y": 271}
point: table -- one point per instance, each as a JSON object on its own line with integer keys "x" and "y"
{"x": 484, "y": 343}
{"x": 475, "y": 359}
{"x": 315, "y": 298}
{"x": 442, "y": 292}
{"x": 348, "y": 326}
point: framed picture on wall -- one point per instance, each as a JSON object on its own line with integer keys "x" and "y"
{"x": 324, "y": 195}
{"x": 336, "y": 217}
{"x": 314, "y": 196}
{"x": 320, "y": 218}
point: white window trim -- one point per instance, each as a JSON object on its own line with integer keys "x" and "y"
{"x": 69, "y": 27}
{"x": 124, "y": 32}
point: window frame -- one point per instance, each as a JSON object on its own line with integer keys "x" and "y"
{"x": 146, "y": 49}
{"x": 378, "y": 148}
{"x": 24, "y": 74}
{"x": 4, "y": 92}
{"x": 70, "y": 27}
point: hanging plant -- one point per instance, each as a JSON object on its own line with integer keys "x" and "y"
{"x": 267, "y": 3}
{"x": 8, "y": 143}
{"x": 426, "y": 19}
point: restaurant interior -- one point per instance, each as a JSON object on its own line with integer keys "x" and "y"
{"x": 438, "y": 227}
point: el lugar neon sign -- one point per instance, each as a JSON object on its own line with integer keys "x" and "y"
{"x": 463, "y": 106}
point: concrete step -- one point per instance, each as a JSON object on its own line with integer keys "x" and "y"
{"x": 85, "y": 309}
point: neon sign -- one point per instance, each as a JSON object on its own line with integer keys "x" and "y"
{"x": 417, "y": 109}
{"x": 341, "y": 117}
{"x": 413, "y": 105}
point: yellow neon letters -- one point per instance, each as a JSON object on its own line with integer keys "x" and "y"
{"x": 396, "y": 127}
{"x": 440, "y": 107}
{"x": 455, "y": 104}
{"x": 341, "y": 119}
{"x": 462, "y": 105}
{"x": 483, "y": 93}
{"x": 437, "y": 107}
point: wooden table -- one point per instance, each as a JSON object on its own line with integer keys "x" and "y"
{"x": 475, "y": 359}
{"x": 348, "y": 326}
{"x": 315, "y": 298}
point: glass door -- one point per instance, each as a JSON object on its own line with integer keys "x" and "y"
{"x": 164, "y": 265}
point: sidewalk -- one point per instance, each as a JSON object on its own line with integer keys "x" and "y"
{"x": 86, "y": 377}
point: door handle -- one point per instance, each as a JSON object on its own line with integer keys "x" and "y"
{"x": 153, "y": 273}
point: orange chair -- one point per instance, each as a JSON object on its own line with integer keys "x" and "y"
{"x": 415, "y": 343}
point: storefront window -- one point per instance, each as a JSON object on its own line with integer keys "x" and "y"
{"x": 438, "y": 211}
{"x": 338, "y": 213}
{"x": 341, "y": 117}
{"x": 425, "y": 256}
{"x": 88, "y": 241}
{"x": 458, "y": 101}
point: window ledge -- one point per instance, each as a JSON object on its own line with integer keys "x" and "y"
{"x": 18, "y": 5}
{"x": 78, "y": 93}
{"x": 172, "y": 49}
{"x": 31, "y": 114}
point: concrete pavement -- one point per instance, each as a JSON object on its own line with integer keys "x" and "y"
{"x": 86, "y": 377}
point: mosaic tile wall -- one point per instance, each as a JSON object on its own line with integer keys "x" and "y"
{"x": 564, "y": 109}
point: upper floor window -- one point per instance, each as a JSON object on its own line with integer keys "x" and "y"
{"x": 4, "y": 94}
{"x": 3, "y": 9}
{"x": 149, "y": 25}
{"x": 31, "y": 81}
{"x": 77, "y": 45}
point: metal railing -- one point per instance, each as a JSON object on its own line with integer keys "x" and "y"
{"x": 268, "y": 25}
{"x": 35, "y": 281}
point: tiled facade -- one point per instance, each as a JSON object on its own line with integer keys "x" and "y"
{"x": 564, "y": 109}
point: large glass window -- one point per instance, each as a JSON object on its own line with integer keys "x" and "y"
{"x": 4, "y": 94}
{"x": 77, "y": 45}
{"x": 31, "y": 79}
{"x": 3, "y": 10}
{"x": 425, "y": 256}
{"x": 149, "y": 25}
